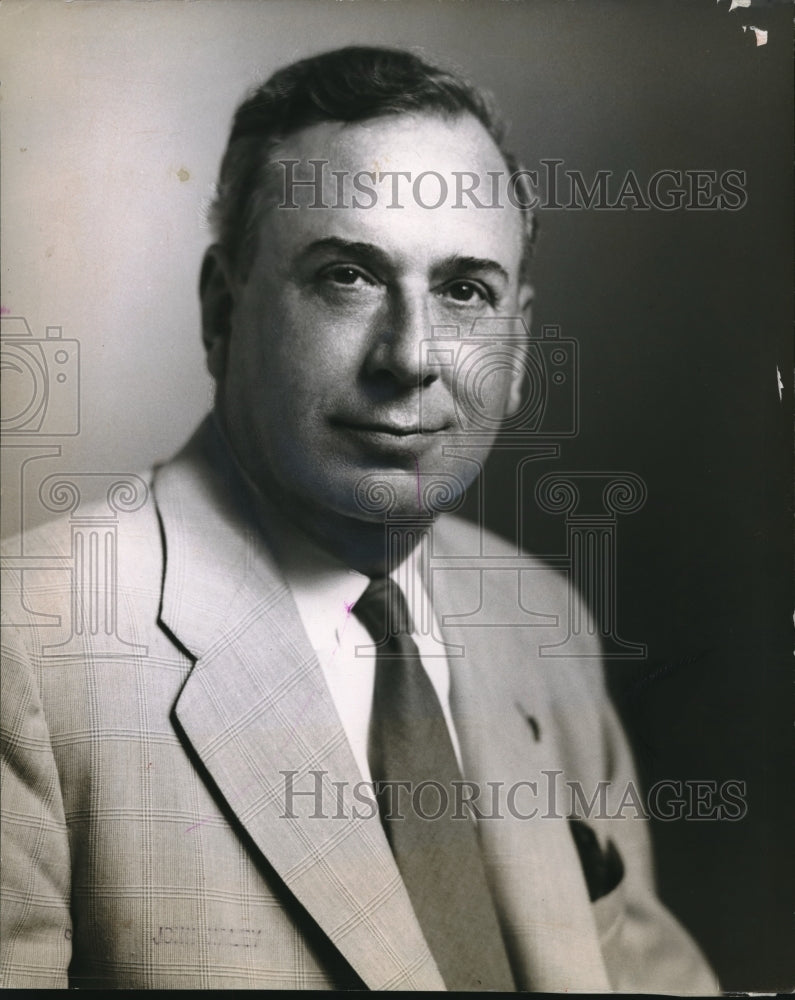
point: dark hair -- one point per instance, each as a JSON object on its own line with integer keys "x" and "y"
{"x": 350, "y": 85}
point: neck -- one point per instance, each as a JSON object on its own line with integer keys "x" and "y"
{"x": 366, "y": 546}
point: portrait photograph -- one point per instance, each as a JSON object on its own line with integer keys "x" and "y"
{"x": 397, "y": 495}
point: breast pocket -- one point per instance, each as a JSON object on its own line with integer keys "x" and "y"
{"x": 602, "y": 866}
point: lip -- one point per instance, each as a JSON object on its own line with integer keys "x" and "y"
{"x": 388, "y": 438}
{"x": 391, "y": 429}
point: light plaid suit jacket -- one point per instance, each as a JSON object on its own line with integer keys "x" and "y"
{"x": 147, "y": 842}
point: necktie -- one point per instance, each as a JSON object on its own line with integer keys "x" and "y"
{"x": 438, "y": 855}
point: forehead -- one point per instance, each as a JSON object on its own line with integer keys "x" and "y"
{"x": 402, "y": 183}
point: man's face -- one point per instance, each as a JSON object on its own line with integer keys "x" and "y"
{"x": 326, "y": 376}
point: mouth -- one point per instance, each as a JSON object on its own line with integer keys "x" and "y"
{"x": 391, "y": 437}
{"x": 392, "y": 429}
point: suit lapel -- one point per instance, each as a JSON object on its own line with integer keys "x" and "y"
{"x": 540, "y": 892}
{"x": 257, "y": 711}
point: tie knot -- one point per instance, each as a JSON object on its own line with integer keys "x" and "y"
{"x": 383, "y": 610}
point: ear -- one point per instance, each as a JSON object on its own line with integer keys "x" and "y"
{"x": 515, "y": 393}
{"x": 215, "y": 292}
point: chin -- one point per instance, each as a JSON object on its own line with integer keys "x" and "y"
{"x": 380, "y": 495}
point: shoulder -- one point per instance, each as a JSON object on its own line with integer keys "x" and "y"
{"x": 528, "y": 611}
{"x": 458, "y": 537}
{"x": 107, "y": 521}
{"x": 86, "y": 507}
{"x": 503, "y": 572}
{"x": 529, "y": 643}
{"x": 86, "y": 569}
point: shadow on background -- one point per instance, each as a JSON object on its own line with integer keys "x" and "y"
{"x": 682, "y": 320}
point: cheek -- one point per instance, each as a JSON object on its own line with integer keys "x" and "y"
{"x": 481, "y": 388}
{"x": 312, "y": 347}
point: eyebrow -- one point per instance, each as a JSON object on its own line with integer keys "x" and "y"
{"x": 449, "y": 266}
{"x": 475, "y": 264}
{"x": 369, "y": 250}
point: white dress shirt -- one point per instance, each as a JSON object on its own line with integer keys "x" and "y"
{"x": 325, "y": 592}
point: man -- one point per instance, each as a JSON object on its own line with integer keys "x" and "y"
{"x": 193, "y": 812}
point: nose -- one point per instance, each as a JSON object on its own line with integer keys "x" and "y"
{"x": 397, "y": 353}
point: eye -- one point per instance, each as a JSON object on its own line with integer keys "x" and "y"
{"x": 345, "y": 274}
{"x": 468, "y": 292}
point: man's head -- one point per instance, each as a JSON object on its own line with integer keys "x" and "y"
{"x": 353, "y": 84}
{"x": 338, "y": 329}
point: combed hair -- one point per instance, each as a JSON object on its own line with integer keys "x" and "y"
{"x": 351, "y": 84}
